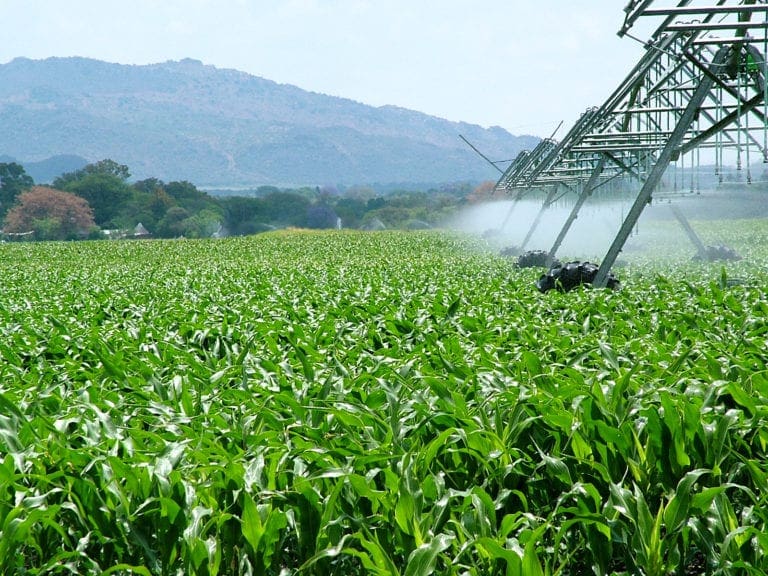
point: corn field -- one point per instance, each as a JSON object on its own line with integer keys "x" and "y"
{"x": 344, "y": 403}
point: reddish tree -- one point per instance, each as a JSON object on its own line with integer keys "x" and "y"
{"x": 51, "y": 214}
{"x": 483, "y": 192}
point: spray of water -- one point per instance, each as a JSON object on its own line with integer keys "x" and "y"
{"x": 507, "y": 224}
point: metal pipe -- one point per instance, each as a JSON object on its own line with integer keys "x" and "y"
{"x": 704, "y": 27}
{"x": 633, "y": 13}
{"x": 713, "y": 10}
{"x": 729, "y": 41}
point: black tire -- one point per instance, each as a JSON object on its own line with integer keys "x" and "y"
{"x": 510, "y": 251}
{"x": 717, "y": 253}
{"x": 533, "y": 259}
{"x": 565, "y": 278}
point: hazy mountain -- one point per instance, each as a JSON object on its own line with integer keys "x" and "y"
{"x": 45, "y": 171}
{"x": 217, "y": 127}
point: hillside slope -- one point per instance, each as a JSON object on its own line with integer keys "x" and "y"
{"x": 184, "y": 120}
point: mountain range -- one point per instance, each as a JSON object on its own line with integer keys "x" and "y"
{"x": 184, "y": 120}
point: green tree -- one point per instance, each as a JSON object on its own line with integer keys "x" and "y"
{"x": 286, "y": 208}
{"x": 172, "y": 224}
{"x": 149, "y": 205}
{"x": 104, "y": 185}
{"x": 159, "y": 202}
{"x": 183, "y": 190}
{"x": 242, "y": 216}
{"x": 110, "y": 167}
{"x": 188, "y": 196}
{"x": 351, "y": 211}
{"x": 105, "y": 167}
{"x": 105, "y": 193}
{"x": 201, "y": 225}
{"x": 149, "y": 185}
{"x": 13, "y": 181}
{"x": 375, "y": 203}
{"x": 321, "y": 216}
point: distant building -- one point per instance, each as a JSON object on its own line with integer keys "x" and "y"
{"x": 141, "y": 232}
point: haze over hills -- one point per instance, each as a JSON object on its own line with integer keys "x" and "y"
{"x": 183, "y": 120}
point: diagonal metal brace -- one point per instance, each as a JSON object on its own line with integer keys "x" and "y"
{"x": 644, "y": 197}
{"x": 692, "y": 236}
{"x": 586, "y": 192}
{"x": 547, "y": 202}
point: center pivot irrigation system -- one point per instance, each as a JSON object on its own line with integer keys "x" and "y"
{"x": 700, "y": 84}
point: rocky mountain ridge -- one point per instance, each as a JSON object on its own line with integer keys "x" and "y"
{"x": 184, "y": 120}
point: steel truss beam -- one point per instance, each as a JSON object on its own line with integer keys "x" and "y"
{"x": 700, "y": 80}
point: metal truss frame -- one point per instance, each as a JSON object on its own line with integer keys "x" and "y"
{"x": 699, "y": 83}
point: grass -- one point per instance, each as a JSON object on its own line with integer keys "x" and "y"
{"x": 379, "y": 403}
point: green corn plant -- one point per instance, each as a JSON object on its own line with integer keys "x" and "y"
{"x": 390, "y": 403}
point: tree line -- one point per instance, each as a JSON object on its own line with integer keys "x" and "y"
{"x": 99, "y": 200}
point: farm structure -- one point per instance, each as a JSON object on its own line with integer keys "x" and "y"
{"x": 700, "y": 85}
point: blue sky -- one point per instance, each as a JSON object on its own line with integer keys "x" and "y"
{"x": 524, "y": 65}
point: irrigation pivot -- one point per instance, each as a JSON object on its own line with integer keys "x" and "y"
{"x": 700, "y": 84}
